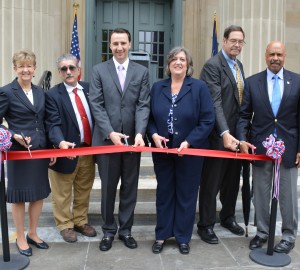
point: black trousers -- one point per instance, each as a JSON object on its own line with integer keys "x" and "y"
{"x": 218, "y": 174}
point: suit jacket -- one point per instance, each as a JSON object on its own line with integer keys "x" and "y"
{"x": 22, "y": 116}
{"x": 256, "y": 103}
{"x": 61, "y": 123}
{"x": 193, "y": 112}
{"x": 116, "y": 110}
{"x": 223, "y": 88}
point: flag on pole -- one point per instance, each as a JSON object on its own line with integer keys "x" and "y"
{"x": 75, "y": 50}
{"x": 215, "y": 43}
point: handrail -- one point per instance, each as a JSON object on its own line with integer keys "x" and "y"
{"x": 45, "y": 80}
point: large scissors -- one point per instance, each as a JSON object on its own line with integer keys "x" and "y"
{"x": 27, "y": 145}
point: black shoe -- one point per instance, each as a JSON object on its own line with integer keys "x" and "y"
{"x": 26, "y": 252}
{"x": 184, "y": 248}
{"x": 106, "y": 243}
{"x": 257, "y": 242}
{"x": 42, "y": 245}
{"x": 128, "y": 240}
{"x": 208, "y": 235}
{"x": 284, "y": 247}
{"x": 232, "y": 226}
{"x": 158, "y": 247}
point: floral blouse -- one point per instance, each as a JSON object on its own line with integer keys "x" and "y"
{"x": 170, "y": 116}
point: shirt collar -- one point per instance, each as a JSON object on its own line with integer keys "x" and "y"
{"x": 270, "y": 74}
{"x": 70, "y": 87}
{"x": 230, "y": 61}
{"x": 125, "y": 64}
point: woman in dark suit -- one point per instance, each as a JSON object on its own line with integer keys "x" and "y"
{"x": 182, "y": 115}
{"x": 22, "y": 104}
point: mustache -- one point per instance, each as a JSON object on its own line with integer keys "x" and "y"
{"x": 275, "y": 62}
{"x": 69, "y": 76}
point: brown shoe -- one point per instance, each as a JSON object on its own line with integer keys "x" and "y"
{"x": 86, "y": 230}
{"x": 69, "y": 235}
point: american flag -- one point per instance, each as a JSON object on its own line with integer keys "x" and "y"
{"x": 75, "y": 50}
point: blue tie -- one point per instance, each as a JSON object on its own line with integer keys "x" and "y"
{"x": 276, "y": 95}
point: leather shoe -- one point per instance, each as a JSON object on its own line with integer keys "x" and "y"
{"x": 233, "y": 227}
{"x": 184, "y": 248}
{"x": 208, "y": 235}
{"x": 158, "y": 247}
{"x": 106, "y": 243}
{"x": 69, "y": 235}
{"x": 284, "y": 247}
{"x": 128, "y": 240}
{"x": 86, "y": 230}
{"x": 257, "y": 242}
{"x": 26, "y": 252}
{"x": 42, "y": 245}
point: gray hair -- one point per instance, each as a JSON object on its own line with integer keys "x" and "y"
{"x": 66, "y": 56}
{"x": 189, "y": 60}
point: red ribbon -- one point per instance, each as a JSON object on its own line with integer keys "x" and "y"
{"x": 49, "y": 153}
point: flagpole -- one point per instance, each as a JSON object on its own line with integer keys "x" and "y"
{"x": 75, "y": 7}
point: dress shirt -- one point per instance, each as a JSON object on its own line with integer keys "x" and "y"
{"x": 125, "y": 65}
{"x": 271, "y": 81}
{"x": 85, "y": 105}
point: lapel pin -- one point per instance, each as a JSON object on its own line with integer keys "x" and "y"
{"x": 288, "y": 82}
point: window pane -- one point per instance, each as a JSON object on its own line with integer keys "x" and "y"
{"x": 104, "y": 47}
{"x": 161, "y": 48}
{"x": 155, "y": 39}
{"x": 148, "y": 48}
{"x": 141, "y": 36}
{"x": 154, "y": 48}
{"x": 161, "y": 37}
{"x": 148, "y": 37}
{"x": 161, "y": 61}
{"x": 141, "y": 47}
{"x": 105, "y": 35}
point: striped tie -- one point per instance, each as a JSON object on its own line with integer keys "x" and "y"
{"x": 239, "y": 82}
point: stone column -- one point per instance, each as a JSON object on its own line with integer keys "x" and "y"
{"x": 35, "y": 25}
{"x": 262, "y": 22}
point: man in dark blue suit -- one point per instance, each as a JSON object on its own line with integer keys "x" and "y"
{"x": 275, "y": 113}
{"x": 68, "y": 126}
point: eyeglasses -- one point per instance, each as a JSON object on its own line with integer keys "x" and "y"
{"x": 65, "y": 68}
{"x": 235, "y": 41}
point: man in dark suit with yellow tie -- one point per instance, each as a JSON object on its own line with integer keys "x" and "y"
{"x": 121, "y": 110}
{"x": 224, "y": 76}
{"x": 271, "y": 103}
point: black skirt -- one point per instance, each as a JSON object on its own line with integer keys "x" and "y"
{"x": 27, "y": 180}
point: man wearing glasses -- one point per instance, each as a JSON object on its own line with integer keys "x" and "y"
{"x": 224, "y": 76}
{"x": 69, "y": 124}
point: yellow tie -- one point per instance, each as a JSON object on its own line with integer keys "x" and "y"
{"x": 239, "y": 82}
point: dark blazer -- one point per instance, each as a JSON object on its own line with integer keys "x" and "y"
{"x": 193, "y": 114}
{"x": 126, "y": 111}
{"x": 287, "y": 122}
{"x": 61, "y": 123}
{"x": 223, "y": 88}
{"x": 22, "y": 116}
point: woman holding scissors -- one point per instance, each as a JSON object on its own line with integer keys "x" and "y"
{"x": 22, "y": 104}
{"x": 182, "y": 116}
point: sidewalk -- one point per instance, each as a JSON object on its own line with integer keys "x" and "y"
{"x": 231, "y": 253}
